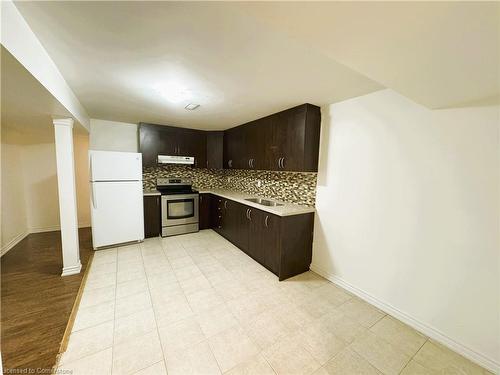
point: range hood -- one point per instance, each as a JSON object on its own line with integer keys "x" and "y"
{"x": 173, "y": 159}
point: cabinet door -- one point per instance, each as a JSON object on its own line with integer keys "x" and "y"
{"x": 169, "y": 140}
{"x": 228, "y": 226}
{"x": 255, "y": 239}
{"x": 235, "y": 149}
{"x": 190, "y": 142}
{"x": 243, "y": 220}
{"x": 149, "y": 140}
{"x": 204, "y": 211}
{"x": 271, "y": 242}
{"x": 199, "y": 148}
{"x": 228, "y": 147}
{"x": 254, "y": 148}
{"x": 231, "y": 221}
{"x": 215, "y": 145}
{"x": 264, "y": 238}
{"x": 289, "y": 139}
{"x": 152, "y": 216}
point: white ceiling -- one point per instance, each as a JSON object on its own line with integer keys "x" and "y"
{"x": 114, "y": 55}
{"x": 241, "y": 61}
{"x": 26, "y": 106}
{"x": 440, "y": 54}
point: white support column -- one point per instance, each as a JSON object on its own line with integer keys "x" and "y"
{"x": 63, "y": 129}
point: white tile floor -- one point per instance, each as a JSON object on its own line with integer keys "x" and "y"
{"x": 195, "y": 304}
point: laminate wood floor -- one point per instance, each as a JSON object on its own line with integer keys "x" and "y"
{"x": 36, "y": 301}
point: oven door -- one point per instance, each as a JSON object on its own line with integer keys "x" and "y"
{"x": 179, "y": 209}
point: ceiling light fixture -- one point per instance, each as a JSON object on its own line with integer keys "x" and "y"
{"x": 191, "y": 106}
{"x": 174, "y": 92}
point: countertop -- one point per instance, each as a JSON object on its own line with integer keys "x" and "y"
{"x": 288, "y": 209}
{"x": 150, "y": 192}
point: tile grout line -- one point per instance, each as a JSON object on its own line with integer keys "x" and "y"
{"x": 195, "y": 314}
{"x": 414, "y": 355}
{"x": 164, "y": 359}
{"x": 114, "y": 313}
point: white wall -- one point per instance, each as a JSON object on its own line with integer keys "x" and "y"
{"x": 14, "y": 219}
{"x": 113, "y": 136}
{"x": 81, "y": 154}
{"x": 40, "y": 186}
{"x": 408, "y": 215}
{"x": 29, "y": 186}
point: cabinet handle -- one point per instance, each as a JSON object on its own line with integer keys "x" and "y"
{"x": 225, "y": 204}
{"x": 265, "y": 221}
{"x": 251, "y": 162}
{"x": 230, "y": 163}
{"x": 283, "y": 162}
{"x": 250, "y": 214}
{"x": 279, "y": 166}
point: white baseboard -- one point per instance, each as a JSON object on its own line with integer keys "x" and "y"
{"x": 13, "y": 242}
{"x": 72, "y": 270}
{"x": 54, "y": 228}
{"x": 424, "y": 328}
{"x": 44, "y": 229}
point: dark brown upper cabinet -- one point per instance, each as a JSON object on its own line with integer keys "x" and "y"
{"x": 234, "y": 143}
{"x": 215, "y": 145}
{"x": 157, "y": 140}
{"x": 284, "y": 141}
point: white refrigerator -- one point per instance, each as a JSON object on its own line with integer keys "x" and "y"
{"x": 116, "y": 199}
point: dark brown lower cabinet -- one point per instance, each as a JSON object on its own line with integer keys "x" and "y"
{"x": 264, "y": 239}
{"x": 152, "y": 216}
{"x": 216, "y": 215}
{"x": 281, "y": 244}
{"x": 205, "y": 207}
{"x": 239, "y": 228}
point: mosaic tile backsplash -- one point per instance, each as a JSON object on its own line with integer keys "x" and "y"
{"x": 293, "y": 187}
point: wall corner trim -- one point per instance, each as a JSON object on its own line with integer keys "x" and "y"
{"x": 424, "y": 328}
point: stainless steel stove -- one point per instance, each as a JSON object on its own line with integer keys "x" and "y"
{"x": 179, "y": 206}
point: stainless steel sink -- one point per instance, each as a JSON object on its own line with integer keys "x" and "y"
{"x": 264, "y": 202}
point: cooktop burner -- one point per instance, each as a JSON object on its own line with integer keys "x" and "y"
{"x": 175, "y": 185}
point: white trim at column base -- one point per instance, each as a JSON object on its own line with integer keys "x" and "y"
{"x": 433, "y": 333}
{"x": 73, "y": 270}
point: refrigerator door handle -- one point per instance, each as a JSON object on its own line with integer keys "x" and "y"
{"x": 90, "y": 167}
{"x": 94, "y": 199}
